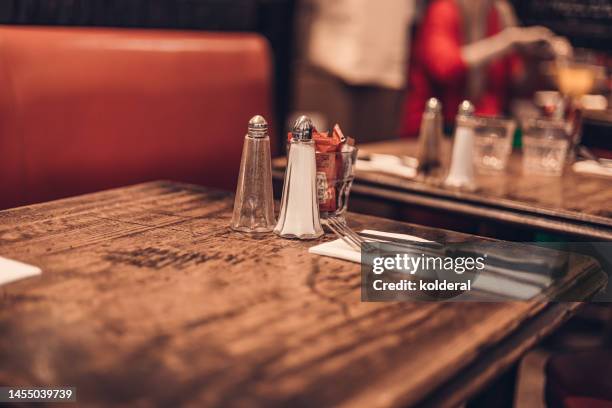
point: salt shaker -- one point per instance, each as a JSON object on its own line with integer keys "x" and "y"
{"x": 461, "y": 173}
{"x": 254, "y": 202}
{"x": 430, "y": 138}
{"x": 299, "y": 212}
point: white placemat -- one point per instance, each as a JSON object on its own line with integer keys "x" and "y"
{"x": 389, "y": 164}
{"x": 592, "y": 167}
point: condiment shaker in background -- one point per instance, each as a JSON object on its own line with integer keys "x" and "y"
{"x": 461, "y": 173}
{"x": 430, "y": 138}
{"x": 254, "y": 202}
{"x": 299, "y": 212}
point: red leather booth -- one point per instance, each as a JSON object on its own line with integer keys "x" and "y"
{"x": 88, "y": 109}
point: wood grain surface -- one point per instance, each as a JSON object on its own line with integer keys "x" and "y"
{"x": 148, "y": 299}
{"x": 575, "y": 204}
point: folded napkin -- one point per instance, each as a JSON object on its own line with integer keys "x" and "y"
{"x": 494, "y": 280}
{"x": 386, "y": 163}
{"x": 12, "y": 270}
{"x": 341, "y": 250}
{"x": 592, "y": 167}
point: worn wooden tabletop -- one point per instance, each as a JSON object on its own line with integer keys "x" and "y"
{"x": 576, "y": 205}
{"x": 147, "y": 298}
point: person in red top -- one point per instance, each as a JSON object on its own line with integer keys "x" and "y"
{"x": 466, "y": 49}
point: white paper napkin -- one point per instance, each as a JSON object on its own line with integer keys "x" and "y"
{"x": 503, "y": 284}
{"x": 11, "y": 271}
{"x": 337, "y": 249}
{"x": 592, "y": 167}
{"x": 341, "y": 250}
{"x": 386, "y": 163}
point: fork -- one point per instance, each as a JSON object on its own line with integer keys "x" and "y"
{"x": 356, "y": 241}
{"x": 343, "y": 232}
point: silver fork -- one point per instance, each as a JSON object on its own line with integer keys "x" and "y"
{"x": 356, "y": 241}
{"x": 343, "y": 232}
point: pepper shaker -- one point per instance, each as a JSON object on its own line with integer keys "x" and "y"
{"x": 254, "y": 202}
{"x": 299, "y": 212}
{"x": 430, "y": 138}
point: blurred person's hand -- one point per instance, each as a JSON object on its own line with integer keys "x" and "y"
{"x": 561, "y": 47}
{"x": 535, "y": 41}
{"x": 539, "y": 42}
{"x": 526, "y": 36}
{"x": 498, "y": 45}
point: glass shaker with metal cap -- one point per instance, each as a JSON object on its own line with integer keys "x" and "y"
{"x": 299, "y": 212}
{"x": 430, "y": 138}
{"x": 461, "y": 173}
{"x": 254, "y": 202}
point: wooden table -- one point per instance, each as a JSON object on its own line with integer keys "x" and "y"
{"x": 578, "y": 206}
{"x": 147, "y": 298}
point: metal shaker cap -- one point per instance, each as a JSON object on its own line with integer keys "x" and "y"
{"x": 433, "y": 105}
{"x": 466, "y": 108}
{"x": 258, "y": 127}
{"x": 302, "y": 129}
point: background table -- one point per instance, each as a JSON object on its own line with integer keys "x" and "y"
{"x": 147, "y": 297}
{"x": 509, "y": 206}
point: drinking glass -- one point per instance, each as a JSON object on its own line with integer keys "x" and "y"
{"x": 545, "y": 146}
{"x": 492, "y": 143}
{"x": 335, "y": 175}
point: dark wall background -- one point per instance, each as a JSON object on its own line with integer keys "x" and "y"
{"x": 588, "y": 23}
{"x": 272, "y": 18}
